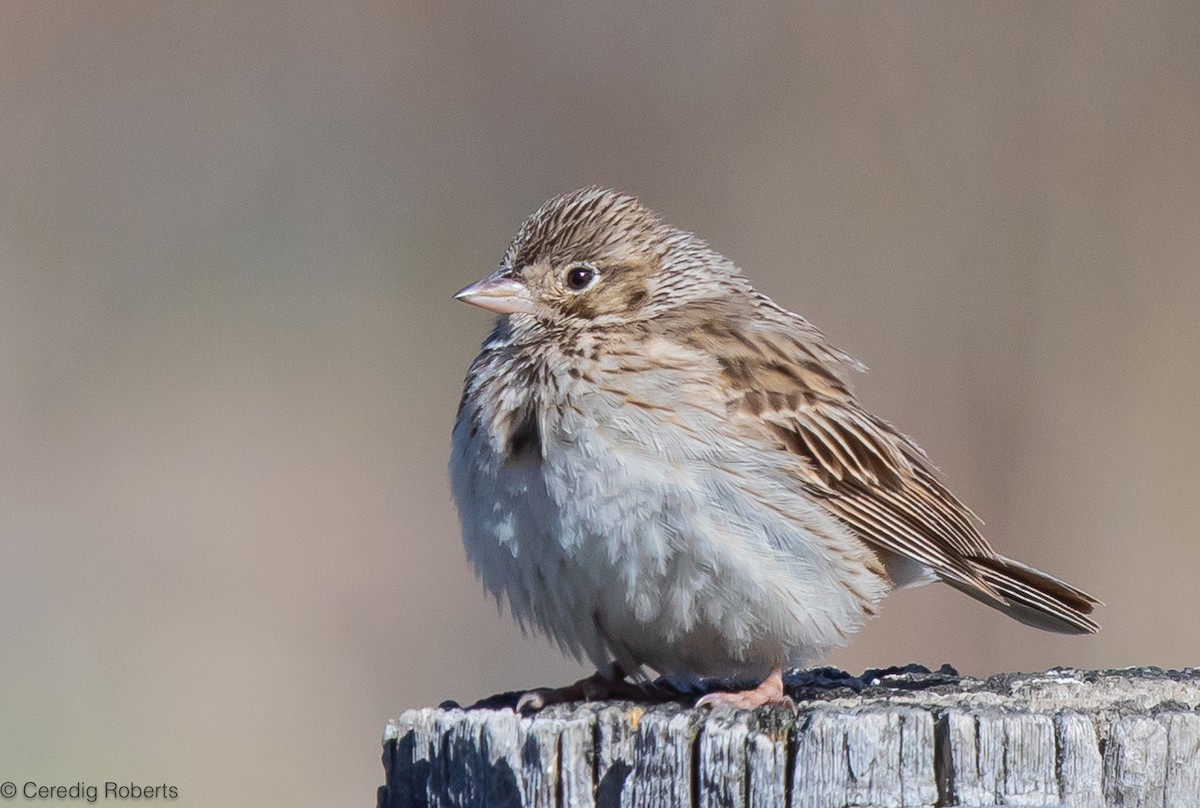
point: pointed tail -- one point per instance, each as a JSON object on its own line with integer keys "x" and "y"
{"x": 1032, "y": 597}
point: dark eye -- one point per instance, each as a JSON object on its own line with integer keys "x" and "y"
{"x": 580, "y": 278}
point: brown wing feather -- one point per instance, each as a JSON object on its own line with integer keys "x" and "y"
{"x": 792, "y": 384}
{"x": 785, "y": 380}
{"x": 919, "y": 517}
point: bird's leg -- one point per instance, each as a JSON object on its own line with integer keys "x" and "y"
{"x": 600, "y": 685}
{"x": 769, "y": 691}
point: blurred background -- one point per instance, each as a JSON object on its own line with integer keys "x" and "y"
{"x": 229, "y": 234}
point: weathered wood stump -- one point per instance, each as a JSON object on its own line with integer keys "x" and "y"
{"x": 1065, "y": 737}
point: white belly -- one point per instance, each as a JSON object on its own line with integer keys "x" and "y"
{"x": 629, "y": 539}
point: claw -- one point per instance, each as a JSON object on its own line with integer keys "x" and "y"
{"x": 532, "y": 701}
{"x": 594, "y": 688}
{"x": 770, "y": 691}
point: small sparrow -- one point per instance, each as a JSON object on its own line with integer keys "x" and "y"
{"x": 659, "y": 467}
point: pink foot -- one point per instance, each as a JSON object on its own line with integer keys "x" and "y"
{"x": 769, "y": 692}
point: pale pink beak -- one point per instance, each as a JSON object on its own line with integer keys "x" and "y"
{"x": 499, "y": 293}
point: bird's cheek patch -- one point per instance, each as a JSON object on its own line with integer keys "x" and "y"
{"x": 581, "y": 306}
{"x": 636, "y": 297}
{"x": 627, "y": 289}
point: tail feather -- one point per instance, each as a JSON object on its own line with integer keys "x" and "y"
{"x": 1032, "y": 597}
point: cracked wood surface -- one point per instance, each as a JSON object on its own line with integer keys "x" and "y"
{"x": 890, "y": 739}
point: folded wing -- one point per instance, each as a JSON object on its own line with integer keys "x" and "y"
{"x": 791, "y": 385}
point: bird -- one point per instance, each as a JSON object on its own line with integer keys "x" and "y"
{"x": 661, "y": 469}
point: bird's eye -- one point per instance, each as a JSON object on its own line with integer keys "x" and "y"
{"x": 580, "y": 278}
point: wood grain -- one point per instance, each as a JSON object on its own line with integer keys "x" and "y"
{"x": 1065, "y": 737}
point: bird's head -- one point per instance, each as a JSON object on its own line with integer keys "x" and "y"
{"x": 598, "y": 258}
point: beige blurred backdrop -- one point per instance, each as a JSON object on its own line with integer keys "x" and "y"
{"x": 229, "y": 234}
